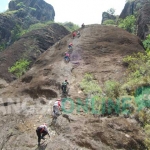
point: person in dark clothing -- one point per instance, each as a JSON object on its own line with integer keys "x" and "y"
{"x": 41, "y": 131}
{"x": 64, "y": 86}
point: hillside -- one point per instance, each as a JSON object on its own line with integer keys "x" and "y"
{"x": 100, "y": 51}
{"x": 30, "y": 46}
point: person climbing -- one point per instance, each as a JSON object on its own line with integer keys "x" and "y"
{"x": 41, "y": 131}
{"x": 64, "y": 86}
{"x": 57, "y": 108}
{"x": 70, "y": 46}
{"x": 78, "y": 34}
{"x": 73, "y": 34}
{"x": 82, "y": 25}
{"x": 67, "y": 57}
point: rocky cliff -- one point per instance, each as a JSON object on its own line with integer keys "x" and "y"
{"x": 23, "y": 13}
{"x": 30, "y": 46}
{"x": 139, "y": 8}
{"x": 100, "y": 51}
{"x": 107, "y": 16}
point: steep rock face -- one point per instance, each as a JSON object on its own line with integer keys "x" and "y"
{"x": 139, "y": 8}
{"x": 132, "y": 8}
{"x": 107, "y": 16}
{"x": 23, "y": 13}
{"x": 144, "y": 21}
{"x": 38, "y": 8}
{"x": 30, "y": 46}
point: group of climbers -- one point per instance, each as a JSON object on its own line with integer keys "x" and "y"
{"x": 42, "y": 130}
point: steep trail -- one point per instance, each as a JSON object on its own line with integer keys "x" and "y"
{"x": 99, "y": 50}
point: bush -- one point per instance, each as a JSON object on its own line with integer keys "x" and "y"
{"x": 70, "y": 26}
{"x": 19, "y": 68}
{"x": 138, "y": 70}
{"x": 90, "y": 86}
{"x": 146, "y": 43}
{"x": 109, "y": 22}
{"x": 128, "y": 23}
{"x": 112, "y": 89}
{"x": 16, "y": 33}
{"x": 147, "y": 140}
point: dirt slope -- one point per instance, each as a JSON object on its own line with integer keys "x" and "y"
{"x": 30, "y": 46}
{"x": 100, "y": 51}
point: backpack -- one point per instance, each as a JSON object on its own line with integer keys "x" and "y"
{"x": 64, "y": 83}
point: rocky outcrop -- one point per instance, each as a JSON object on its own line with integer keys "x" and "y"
{"x": 23, "y": 13}
{"x": 139, "y": 8}
{"x": 132, "y": 8}
{"x": 37, "y": 8}
{"x": 30, "y": 46}
{"x": 144, "y": 21}
{"x": 107, "y": 16}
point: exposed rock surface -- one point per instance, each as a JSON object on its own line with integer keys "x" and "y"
{"x": 144, "y": 21}
{"x": 99, "y": 50}
{"x": 30, "y": 46}
{"x": 107, "y": 16}
{"x": 37, "y": 8}
{"x": 141, "y": 9}
{"x": 23, "y": 13}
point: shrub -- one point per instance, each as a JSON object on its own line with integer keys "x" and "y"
{"x": 19, "y": 68}
{"x": 112, "y": 89}
{"x": 147, "y": 140}
{"x": 138, "y": 70}
{"x": 128, "y": 23}
{"x": 90, "y": 86}
{"x": 70, "y": 26}
{"x": 16, "y": 33}
{"x": 109, "y": 22}
{"x": 146, "y": 43}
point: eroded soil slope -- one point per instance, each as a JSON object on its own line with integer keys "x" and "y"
{"x": 99, "y": 50}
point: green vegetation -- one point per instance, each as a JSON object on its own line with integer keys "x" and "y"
{"x": 146, "y": 43}
{"x": 16, "y": 33}
{"x": 109, "y": 22}
{"x": 2, "y": 46}
{"x": 70, "y": 26}
{"x": 138, "y": 70}
{"x": 19, "y": 68}
{"x": 128, "y": 23}
{"x": 90, "y": 86}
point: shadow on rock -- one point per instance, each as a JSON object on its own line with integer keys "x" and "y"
{"x": 41, "y": 147}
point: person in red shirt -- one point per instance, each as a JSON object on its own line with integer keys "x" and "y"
{"x": 41, "y": 131}
{"x": 73, "y": 34}
{"x": 67, "y": 57}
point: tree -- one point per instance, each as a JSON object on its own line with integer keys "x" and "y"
{"x": 111, "y": 11}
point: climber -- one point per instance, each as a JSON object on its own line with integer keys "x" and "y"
{"x": 64, "y": 86}
{"x": 67, "y": 57}
{"x": 73, "y": 34}
{"x": 56, "y": 108}
{"x": 70, "y": 46}
{"x": 78, "y": 34}
{"x": 82, "y": 25}
{"x": 41, "y": 131}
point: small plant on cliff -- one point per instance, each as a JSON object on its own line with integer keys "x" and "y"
{"x": 128, "y": 23}
{"x": 146, "y": 43}
{"x": 70, "y": 26}
{"x": 16, "y": 33}
{"x": 19, "y": 68}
